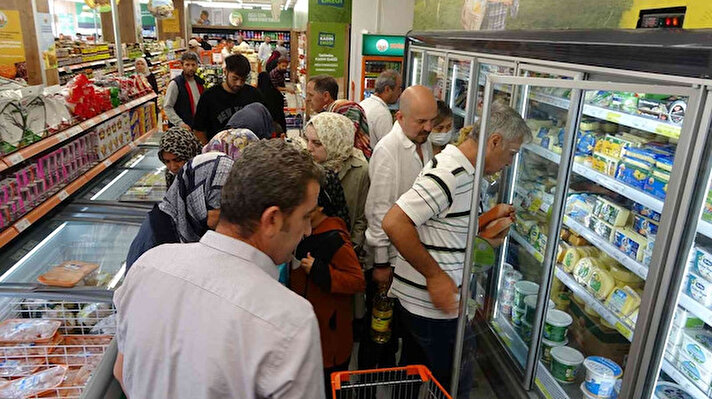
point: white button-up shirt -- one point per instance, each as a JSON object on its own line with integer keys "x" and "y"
{"x": 210, "y": 320}
{"x": 393, "y": 168}
{"x": 380, "y": 120}
{"x": 264, "y": 52}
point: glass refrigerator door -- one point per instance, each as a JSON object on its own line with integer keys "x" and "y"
{"x": 460, "y": 76}
{"x": 502, "y": 92}
{"x": 436, "y": 74}
{"x": 588, "y": 193}
{"x": 416, "y": 68}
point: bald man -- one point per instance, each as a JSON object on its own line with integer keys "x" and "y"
{"x": 395, "y": 164}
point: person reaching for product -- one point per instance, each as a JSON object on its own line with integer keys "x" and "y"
{"x": 190, "y": 208}
{"x": 176, "y": 147}
{"x": 256, "y": 118}
{"x": 208, "y": 319}
{"x": 219, "y": 103}
{"x": 442, "y": 128}
{"x": 328, "y": 273}
{"x": 428, "y": 272}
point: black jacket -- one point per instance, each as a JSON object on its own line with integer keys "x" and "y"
{"x": 183, "y": 102}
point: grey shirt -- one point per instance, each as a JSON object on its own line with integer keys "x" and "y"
{"x": 210, "y": 320}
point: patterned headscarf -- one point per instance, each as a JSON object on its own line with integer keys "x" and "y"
{"x": 231, "y": 142}
{"x": 197, "y": 190}
{"x": 336, "y": 133}
{"x": 182, "y": 144}
{"x": 255, "y": 117}
{"x": 331, "y": 197}
{"x": 357, "y": 115}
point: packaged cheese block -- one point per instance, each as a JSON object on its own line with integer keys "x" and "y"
{"x": 564, "y": 234}
{"x": 601, "y": 228}
{"x": 604, "y": 164}
{"x": 700, "y": 290}
{"x": 583, "y": 270}
{"x": 577, "y": 240}
{"x": 601, "y": 283}
{"x": 609, "y": 127}
{"x": 632, "y": 174}
{"x": 647, "y": 212}
{"x": 561, "y": 252}
{"x": 571, "y": 258}
{"x": 67, "y": 274}
{"x": 611, "y": 212}
{"x": 630, "y": 243}
{"x": 644, "y": 226}
{"x": 606, "y": 259}
{"x": 624, "y": 275}
{"x": 623, "y": 301}
{"x": 589, "y": 124}
{"x": 703, "y": 262}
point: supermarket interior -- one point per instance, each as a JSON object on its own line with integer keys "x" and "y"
{"x": 562, "y": 191}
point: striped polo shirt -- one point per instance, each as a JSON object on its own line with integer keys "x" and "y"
{"x": 439, "y": 205}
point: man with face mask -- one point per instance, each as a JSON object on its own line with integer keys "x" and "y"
{"x": 219, "y": 103}
{"x": 442, "y": 128}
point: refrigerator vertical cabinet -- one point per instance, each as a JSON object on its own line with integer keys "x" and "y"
{"x": 460, "y": 78}
{"x": 415, "y": 68}
{"x": 486, "y": 67}
{"x": 574, "y": 268}
{"x": 435, "y": 74}
{"x": 370, "y": 69}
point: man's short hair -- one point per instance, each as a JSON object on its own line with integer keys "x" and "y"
{"x": 282, "y": 60}
{"x": 505, "y": 121}
{"x": 325, "y": 83}
{"x": 189, "y": 56}
{"x": 387, "y": 78}
{"x": 269, "y": 173}
{"x": 204, "y": 12}
{"x": 237, "y": 64}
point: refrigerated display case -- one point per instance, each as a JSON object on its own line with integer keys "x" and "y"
{"x": 589, "y": 276}
{"x": 379, "y": 53}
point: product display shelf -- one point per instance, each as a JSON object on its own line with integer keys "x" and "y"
{"x": 526, "y": 245}
{"x": 682, "y": 380}
{"x": 31, "y": 150}
{"x": 73, "y": 67}
{"x": 631, "y": 264}
{"x": 606, "y": 181}
{"x": 696, "y": 308}
{"x": 637, "y": 122}
{"x": 45, "y": 207}
{"x": 621, "y": 325}
{"x": 705, "y": 228}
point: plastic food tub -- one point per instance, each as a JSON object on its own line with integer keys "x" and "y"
{"x": 522, "y": 289}
{"x": 547, "y": 346}
{"x": 565, "y": 364}
{"x": 601, "y": 376}
{"x": 557, "y": 325}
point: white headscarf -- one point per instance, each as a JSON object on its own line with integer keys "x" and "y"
{"x": 336, "y": 132}
{"x": 148, "y": 71}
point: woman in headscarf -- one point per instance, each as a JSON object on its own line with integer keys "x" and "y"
{"x": 177, "y": 146}
{"x": 357, "y": 115}
{"x": 328, "y": 274}
{"x": 191, "y": 206}
{"x": 256, "y": 118}
{"x": 274, "y": 100}
{"x": 142, "y": 69}
{"x": 330, "y": 140}
{"x": 231, "y": 142}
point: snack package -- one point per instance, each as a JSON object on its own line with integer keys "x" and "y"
{"x": 20, "y": 367}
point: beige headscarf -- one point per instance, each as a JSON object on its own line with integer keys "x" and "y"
{"x": 336, "y": 132}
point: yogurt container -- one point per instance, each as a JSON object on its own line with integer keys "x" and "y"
{"x": 530, "y": 309}
{"x": 517, "y": 316}
{"x": 507, "y": 296}
{"x": 668, "y": 390}
{"x": 557, "y": 325}
{"x": 510, "y": 279}
{"x": 506, "y": 309}
{"x": 565, "y": 364}
{"x": 522, "y": 289}
{"x": 601, "y": 376}
{"x": 547, "y": 346}
{"x": 526, "y": 331}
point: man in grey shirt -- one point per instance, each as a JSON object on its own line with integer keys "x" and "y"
{"x": 209, "y": 319}
{"x": 183, "y": 93}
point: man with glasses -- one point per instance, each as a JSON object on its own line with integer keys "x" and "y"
{"x": 218, "y": 103}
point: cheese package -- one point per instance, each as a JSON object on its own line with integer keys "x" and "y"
{"x": 534, "y": 233}
{"x": 574, "y": 254}
{"x": 630, "y": 243}
{"x": 700, "y": 376}
{"x": 656, "y": 183}
{"x": 644, "y": 226}
{"x": 665, "y": 163}
{"x": 646, "y": 212}
{"x": 583, "y": 270}
{"x": 604, "y": 164}
{"x": 623, "y": 301}
{"x": 586, "y": 142}
{"x": 684, "y": 319}
{"x": 611, "y": 212}
{"x": 607, "y": 260}
{"x": 609, "y": 127}
{"x": 625, "y": 277}
{"x": 632, "y": 174}
{"x": 703, "y": 262}
{"x": 577, "y": 240}
{"x": 601, "y": 283}
{"x": 540, "y": 243}
{"x": 589, "y": 124}
{"x": 646, "y": 154}
{"x": 68, "y": 274}
{"x": 697, "y": 344}
{"x": 561, "y": 251}
{"x": 601, "y": 228}
{"x": 700, "y": 290}
{"x": 523, "y": 225}
{"x": 614, "y": 146}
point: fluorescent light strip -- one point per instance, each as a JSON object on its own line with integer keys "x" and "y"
{"x": 97, "y": 195}
{"x": 32, "y": 252}
{"x": 117, "y": 277}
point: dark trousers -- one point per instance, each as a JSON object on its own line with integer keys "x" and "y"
{"x": 327, "y": 375}
{"x": 431, "y": 342}
{"x": 372, "y": 355}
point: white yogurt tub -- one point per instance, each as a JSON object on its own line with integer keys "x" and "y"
{"x": 557, "y": 325}
{"x": 565, "y": 364}
{"x": 668, "y": 390}
{"x": 522, "y": 289}
{"x": 601, "y": 376}
{"x": 547, "y": 346}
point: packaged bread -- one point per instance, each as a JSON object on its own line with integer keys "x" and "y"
{"x": 67, "y": 274}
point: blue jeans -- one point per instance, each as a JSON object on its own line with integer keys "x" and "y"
{"x": 431, "y": 342}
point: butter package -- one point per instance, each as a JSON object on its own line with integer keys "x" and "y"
{"x": 632, "y": 174}
{"x": 604, "y": 164}
{"x": 623, "y": 301}
{"x": 645, "y": 154}
{"x": 586, "y": 142}
{"x": 647, "y": 212}
{"x": 697, "y": 345}
{"x": 630, "y": 243}
{"x": 700, "y": 290}
{"x": 644, "y": 226}
{"x": 614, "y": 146}
{"x": 601, "y": 228}
{"x": 703, "y": 262}
{"x": 610, "y": 212}
{"x": 656, "y": 184}
{"x": 665, "y": 163}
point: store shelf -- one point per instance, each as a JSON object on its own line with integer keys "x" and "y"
{"x": 230, "y": 27}
{"x": 705, "y": 228}
{"x": 22, "y": 154}
{"x": 681, "y": 379}
{"x": 621, "y": 325}
{"x": 49, "y": 204}
{"x": 696, "y": 308}
{"x": 526, "y": 245}
{"x": 631, "y": 264}
{"x": 637, "y": 122}
{"x": 606, "y": 181}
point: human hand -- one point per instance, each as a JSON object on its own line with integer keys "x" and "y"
{"x": 442, "y": 292}
{"x": 498, "y": 211}
{"x": 307, "y": 263}
{"x": 382, "y": 276}
{"x": 497, "y": 230}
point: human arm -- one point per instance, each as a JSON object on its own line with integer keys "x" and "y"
{"x": 383, "y": 124}
{"x": 119, "y": 370}
{"x": 169, "y": 101}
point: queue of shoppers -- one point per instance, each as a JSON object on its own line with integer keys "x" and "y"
{"x": 254, "y": 258}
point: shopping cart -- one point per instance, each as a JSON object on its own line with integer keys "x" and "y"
{"x": 410, "y": 382}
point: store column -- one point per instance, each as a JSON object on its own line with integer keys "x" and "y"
{"x": 127, "y": 24}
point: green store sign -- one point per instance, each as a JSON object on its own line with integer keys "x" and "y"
{"x": 392, "y": 46}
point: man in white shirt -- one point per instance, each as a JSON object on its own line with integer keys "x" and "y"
{"x": 394, "y": 166}
{"x": 242, "y": 45}
{"x": 428, "y": 226}
{"x": 209, "y": 319}
{"x": 227, "y": 50}
{"x": 265, "y": 50}
{"x": 183, "y": 93}
{"x": 388, "y": 90}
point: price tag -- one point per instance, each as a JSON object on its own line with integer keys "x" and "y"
{"x": 22, "y": 224}
{"x": 613, "y": 117}
{"x": 62, "y": 195}
{"x": 107, "y": 163}
{"x": 667, "y": 130}
{"x": 624, "y": 330}
{"x": 14, "y": 159}
{"x": 104, "y": 116}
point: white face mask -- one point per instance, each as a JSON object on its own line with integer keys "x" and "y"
{"x": 441, "y": 138}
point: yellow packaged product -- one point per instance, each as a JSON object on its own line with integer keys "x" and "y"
{"x": 601, "y": 283}
{"x": 623, "y": 301}
{"x": 562, "y": 300}
{"x": 577, "y": 240}
{"x": 606, "y": 326}
{"x": 623, "y": 275}
{"x": 571, "y": 258}
{"x": 583, "y": 270}
{"x": 607, "y": 260}
{"x": 561, "y": 251}
{"x": 588, "y": 251}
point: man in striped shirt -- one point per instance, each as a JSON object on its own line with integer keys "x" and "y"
{"x": 428, "y": 226}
